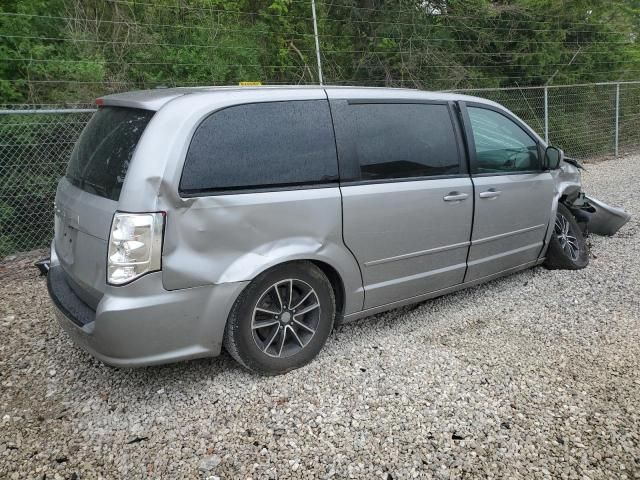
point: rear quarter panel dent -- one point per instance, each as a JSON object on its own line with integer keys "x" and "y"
{"x": 234, "y": 238}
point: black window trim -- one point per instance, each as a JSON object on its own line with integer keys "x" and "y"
{"x": 471, "y": 144}
{"x": 347, "y": 161}
{"x": 206, "y": 192}
{"x": 282, "y": 187}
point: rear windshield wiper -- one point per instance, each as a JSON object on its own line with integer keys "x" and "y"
{"x": 98, "y": 189}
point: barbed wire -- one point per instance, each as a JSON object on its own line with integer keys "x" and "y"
{"x": 494, "y": 18}
{"x": 154, "y": 44}
{"x": 564, "y": 29}
{"x": 324, "y": 51}
{"x": 140, "y": 24}
{"x": 305, "y": 3}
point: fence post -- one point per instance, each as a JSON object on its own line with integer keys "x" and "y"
{"x": 546, "y": 114}
{"x": 315, "y": 34}
{"x": 617, "y": 116}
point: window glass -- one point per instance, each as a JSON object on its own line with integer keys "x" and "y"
{"x": 404, "y": 140}
{"x": 261, "y": 145}
{"x": 100, "y": 159}
{"x": 501, "y": 145}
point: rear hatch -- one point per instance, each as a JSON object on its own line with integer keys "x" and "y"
{"x": 87, "y": 196}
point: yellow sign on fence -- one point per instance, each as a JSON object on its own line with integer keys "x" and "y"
{"x": 250, "y": 84}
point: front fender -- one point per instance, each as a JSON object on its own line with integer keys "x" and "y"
{"x": 567, "y": 184}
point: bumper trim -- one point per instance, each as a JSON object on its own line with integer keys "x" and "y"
{"x": 80, "y": 337}
{"x": 66, "y": 300}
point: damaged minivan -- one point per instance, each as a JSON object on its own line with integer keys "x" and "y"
{"x": 258, "y": 218}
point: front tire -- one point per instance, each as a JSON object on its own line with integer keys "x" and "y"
{"x": 282, "y": 319}
{"x": 568, "y": 248}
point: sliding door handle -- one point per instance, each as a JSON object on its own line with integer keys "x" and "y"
{"x": 491, "y": 193}
{"x": 454, "y": 197}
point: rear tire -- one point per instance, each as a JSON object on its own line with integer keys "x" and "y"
{"x": 568, "y": 249}
{"x": 282, "y": 319}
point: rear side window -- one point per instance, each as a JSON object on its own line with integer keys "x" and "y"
{"x": 262, "y": 145}
{"x": 404, "y": 140}
{"x": 100, "y": 159}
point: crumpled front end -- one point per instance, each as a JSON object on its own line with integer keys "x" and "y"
{"x": 601, "y": 219}
{"x": 593, "y": 215}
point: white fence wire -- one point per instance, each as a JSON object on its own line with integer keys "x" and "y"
{"x": 588, "y": 121}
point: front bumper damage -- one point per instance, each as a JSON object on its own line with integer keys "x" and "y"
{"x": 595, "y": 216}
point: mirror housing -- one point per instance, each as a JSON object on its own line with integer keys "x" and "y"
{"x": 553, "y": 156}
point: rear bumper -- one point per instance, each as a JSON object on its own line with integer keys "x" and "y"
{"x": 144, "y": 324}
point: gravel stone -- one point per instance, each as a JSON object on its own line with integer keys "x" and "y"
{"x": 209, "y": 463}
{"x": 536, "y": 375}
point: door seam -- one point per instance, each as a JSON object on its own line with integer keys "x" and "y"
{"x": 465, "y": 141}
{"x": 355, "y": 259}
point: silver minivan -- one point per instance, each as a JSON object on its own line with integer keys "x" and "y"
{"x": 258, "y": 218}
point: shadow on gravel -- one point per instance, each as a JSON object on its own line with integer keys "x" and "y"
{"x": 428, "y": 310}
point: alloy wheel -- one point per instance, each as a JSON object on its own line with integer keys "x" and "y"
{"x": 285, "y": 318}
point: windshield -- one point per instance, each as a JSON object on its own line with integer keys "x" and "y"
{"x": 100, "y": 158}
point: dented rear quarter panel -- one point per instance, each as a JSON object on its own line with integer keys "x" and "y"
{"x": 231, "y": 238}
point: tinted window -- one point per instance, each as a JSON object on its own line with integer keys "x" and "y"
{"x": 262, "y": 145}
{"x": 404, "y": 140}
{"x": 101, "y": 157}
{"x": 501, "y": 145}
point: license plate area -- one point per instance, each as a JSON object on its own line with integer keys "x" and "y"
{"x": 66, "y": 237}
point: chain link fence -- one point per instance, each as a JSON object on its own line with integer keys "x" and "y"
{"x": 35, "y": 144}
{"x": 589, "y": 121}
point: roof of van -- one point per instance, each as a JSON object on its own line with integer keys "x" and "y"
{"x": 154, "y": 99}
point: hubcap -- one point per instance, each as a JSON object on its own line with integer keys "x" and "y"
{"x": 566, "y": 236}
{"x": 285, "y": 318}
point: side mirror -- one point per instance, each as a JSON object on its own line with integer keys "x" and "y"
{"x": 552, "y": 157}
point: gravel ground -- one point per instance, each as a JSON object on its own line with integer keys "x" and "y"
{"x": 535, "y": 375}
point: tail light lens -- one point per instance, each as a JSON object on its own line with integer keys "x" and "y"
{"x": 135, "y": 246}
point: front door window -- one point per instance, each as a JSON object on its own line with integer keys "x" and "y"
{"x": 501, "y": 145}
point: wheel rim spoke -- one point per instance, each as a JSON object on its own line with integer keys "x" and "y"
{"x": 265, "y": 310}
{"x": 573, "y": 244}
{"x": 295, "y": 335}
{"x": 567, "y": 248}
{"x": 275, "y": 287}
{"x": 306, "y": 310}
{"x": 265, "y": 323}
{"x": 283, "y": 339}
{"x": 309, "y": 293}
{"x": 307, "y": 328}
{"x": 275, "y": 334}
{"x": 290, "y": 293}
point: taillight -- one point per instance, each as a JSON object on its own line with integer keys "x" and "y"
{"x": 135, "y": 246}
